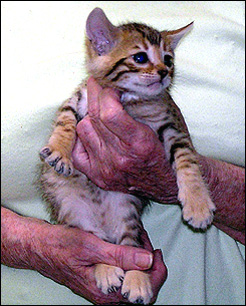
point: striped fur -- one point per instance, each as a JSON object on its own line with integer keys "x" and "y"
{"x": 137, "y": 60}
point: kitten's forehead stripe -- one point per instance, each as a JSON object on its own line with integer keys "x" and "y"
{"x": 152, "y": 35}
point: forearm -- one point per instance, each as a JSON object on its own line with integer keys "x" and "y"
{"x": 68, "y": 255}
{"x": 226, "y": 183}
{"x": 17, "y": 234}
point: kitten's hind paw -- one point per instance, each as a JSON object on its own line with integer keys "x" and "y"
{"x": 108, "y": 278}
{"x": 61, "y": 164}
{"x": 137, "y": 287}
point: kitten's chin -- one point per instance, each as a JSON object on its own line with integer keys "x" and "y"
{"x": 154, "y": 89}
{"x": 153, "y": 93}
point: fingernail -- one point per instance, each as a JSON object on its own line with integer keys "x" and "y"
{"x": 143, "y": 260}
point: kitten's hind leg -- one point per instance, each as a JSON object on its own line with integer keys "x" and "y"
{"x": 136, "y": 285}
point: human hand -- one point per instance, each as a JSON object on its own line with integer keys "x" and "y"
{"x": 68, "y": 256}
{"x": 119, "y": 153}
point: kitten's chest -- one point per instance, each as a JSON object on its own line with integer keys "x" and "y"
{"x": 151, "y": 113}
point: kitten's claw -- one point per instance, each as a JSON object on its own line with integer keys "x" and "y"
{"x": 53, "y": 162}
{"x": 64, "y": 166}
{"x": 61, "y": 164}
{"x": 113, "y": 289}
{"x": 139, "y": 300}
{"x": 126, "y": 295}
{"x": 136, "y": 287}
{"x": 44, "y": 153}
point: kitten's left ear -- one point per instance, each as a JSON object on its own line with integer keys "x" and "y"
{"x": 100, "y": 31}
{"x": 174, "y": 36}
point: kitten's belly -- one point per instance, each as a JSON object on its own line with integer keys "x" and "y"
{"x": 80, "y": 203}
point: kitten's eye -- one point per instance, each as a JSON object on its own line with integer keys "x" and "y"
{"x": 168, "y": 60}
{"x": 140, "y": 58}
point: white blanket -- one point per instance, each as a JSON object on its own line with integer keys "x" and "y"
{"x": 42, "y": 62}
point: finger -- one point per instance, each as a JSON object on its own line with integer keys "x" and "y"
{"x": 97, "y": 144}
{"x": 115, "y": 118}
{"x": 86, "y": 149}
{"x": 93, "y": 91}
{"x": 96, "y": 250}
{"x": 146, "y": 241}
{"x": 158, "y": 273}
{"x": 127, "y": 257}
{"x": 88, "y": 136}
{"x": 80, "y": 157}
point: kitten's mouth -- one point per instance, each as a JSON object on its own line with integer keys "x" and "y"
{"x": 156, "y": 83}
{"x": 155, "y": 87}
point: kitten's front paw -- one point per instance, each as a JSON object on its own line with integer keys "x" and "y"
{"x": 198, "y": 211}
{"x": 61, "y": 164}
{"x": 137, "y": 287}
{"x": 108, "y": 278}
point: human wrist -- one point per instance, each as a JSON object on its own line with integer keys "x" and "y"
{"x": 160, "y": 184}
{"x": 226, "y": 183}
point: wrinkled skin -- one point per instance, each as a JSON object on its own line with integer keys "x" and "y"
{"x": 118, "y": 153}
{"x": 68, "y": 255}
{"x": 114, "y": 150}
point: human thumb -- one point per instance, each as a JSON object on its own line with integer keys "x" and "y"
{"x": 128, "y": 258}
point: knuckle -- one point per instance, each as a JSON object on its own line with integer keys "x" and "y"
{"x": 108, "y": 179}
{"x": 108, "y": 116}
{"x": 123, "y": 162}
{"x": 84, "y": 124}
{"x": 145, "y": 145}
{"x": 118, "y": 255}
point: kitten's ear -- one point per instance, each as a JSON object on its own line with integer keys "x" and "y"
{"x": 174, "y": 36}
{"x": 100, "y": 31}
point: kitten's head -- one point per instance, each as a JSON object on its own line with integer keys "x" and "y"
{"x": 132, "y": 57}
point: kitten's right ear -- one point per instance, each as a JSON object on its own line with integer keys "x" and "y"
{"x": 101, "y": 32}
{"x": 175, "y": 35}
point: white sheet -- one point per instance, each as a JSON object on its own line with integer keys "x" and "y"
{"x": 42, "y": 62}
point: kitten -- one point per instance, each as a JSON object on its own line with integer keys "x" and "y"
{"x": 138, "y": 61}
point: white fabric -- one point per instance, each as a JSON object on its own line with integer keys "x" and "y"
{"x": 42, "y": 62}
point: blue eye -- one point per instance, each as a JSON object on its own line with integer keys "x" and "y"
{"x": 168, "y": 60}
{"x": 140, "y": 58}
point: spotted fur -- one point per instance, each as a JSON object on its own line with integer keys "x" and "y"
{"x": 137, "y": 60}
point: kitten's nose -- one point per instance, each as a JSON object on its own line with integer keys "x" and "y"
{"x": 163, "y": 73}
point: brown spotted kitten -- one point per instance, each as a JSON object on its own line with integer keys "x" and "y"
{"x": 138, "y": 61}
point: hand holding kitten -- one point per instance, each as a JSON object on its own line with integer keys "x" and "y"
{"x": 114, "y": 150}
{"x": 68, "y": 255}
{"x": 162, "y": 179}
